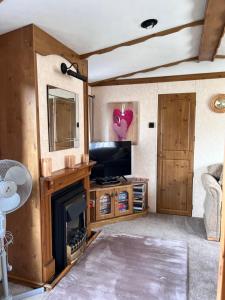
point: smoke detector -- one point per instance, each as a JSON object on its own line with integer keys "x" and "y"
{"x": 149, "y": 23}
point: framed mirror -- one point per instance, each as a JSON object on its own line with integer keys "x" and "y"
{"x": 63, "y": 119}
{"x": 217, "y": 103}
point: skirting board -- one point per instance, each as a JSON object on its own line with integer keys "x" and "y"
{"x": 117, "y": 219}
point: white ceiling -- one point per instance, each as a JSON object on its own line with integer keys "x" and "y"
{"x": 158, "y": 51}
{"x": 88, "y": 25}
{"x": 185, "y": 68}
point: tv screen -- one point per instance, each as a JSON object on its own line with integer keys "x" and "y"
{"x": 112, "y": 159}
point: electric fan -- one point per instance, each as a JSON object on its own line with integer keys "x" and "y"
{"x": 15, "y": 189}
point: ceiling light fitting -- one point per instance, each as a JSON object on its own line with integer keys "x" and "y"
{"x": 150, "y": 23}
{"x": 68, "y": 71}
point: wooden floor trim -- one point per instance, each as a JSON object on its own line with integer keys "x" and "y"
{"x": 175, "y": 212}
{"x": 118, "y": 219}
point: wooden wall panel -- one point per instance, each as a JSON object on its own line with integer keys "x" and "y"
{"x": 86, "y": 119}
{"x": 19, "y": 141}
{"x": 45, "y": 44}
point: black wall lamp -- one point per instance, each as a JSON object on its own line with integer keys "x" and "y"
{"x": 68, "y": 71}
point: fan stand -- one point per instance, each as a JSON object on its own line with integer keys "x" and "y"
{"x": 3, "y": 255}
{"x": 12, "y": 175}
{"x": 6, "y": 238}
{"x": 4, "y": 272}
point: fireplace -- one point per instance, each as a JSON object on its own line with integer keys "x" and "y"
{"x": 68, "y": 224}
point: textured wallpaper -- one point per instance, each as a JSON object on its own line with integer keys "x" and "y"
{"x": 49, "y": 73}
{"x": 209, "y": 128}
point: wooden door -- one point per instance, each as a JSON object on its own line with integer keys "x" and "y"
{"x": 104, "y": 204}
{"x": 123, "y": 200}
{"x": 176, "y": 120}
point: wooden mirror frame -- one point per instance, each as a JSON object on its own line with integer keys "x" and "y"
{"x": 212, "y": 103}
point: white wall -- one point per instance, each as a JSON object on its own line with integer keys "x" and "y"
{"x": 49, "y": 73}
{"x": 209, "y": 128}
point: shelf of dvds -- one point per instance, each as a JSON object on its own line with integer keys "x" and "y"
{"x": 125, "y": 201}
{"x": 139, "y": 194}
{"x": 104, "y": 206}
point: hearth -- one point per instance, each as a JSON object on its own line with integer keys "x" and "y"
{"x": 68, "y": 224}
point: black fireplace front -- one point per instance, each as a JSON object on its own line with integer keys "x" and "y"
{"x": 68, "y": 223}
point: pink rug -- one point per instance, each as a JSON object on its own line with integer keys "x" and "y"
{"x": 121, "y": 267}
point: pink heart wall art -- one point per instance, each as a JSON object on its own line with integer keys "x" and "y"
{"x": 121, "y": 122}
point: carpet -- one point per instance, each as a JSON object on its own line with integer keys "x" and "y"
{"x": 203, "y": 254}
{"x": 127, "y": 267}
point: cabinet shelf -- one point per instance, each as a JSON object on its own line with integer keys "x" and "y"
{"x": 117, "y": 203}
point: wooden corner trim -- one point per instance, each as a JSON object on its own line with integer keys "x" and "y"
{"x": 118, "y": 79}
{"x": 195, "y": 58}
{"x": 161, "y": 79}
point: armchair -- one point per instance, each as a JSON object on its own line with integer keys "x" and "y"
{"x": 213, "y": 201}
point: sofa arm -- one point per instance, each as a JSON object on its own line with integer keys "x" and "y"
{"x": 211, "y": 185}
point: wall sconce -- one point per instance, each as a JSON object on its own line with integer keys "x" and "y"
{"x": 66, "y": 70}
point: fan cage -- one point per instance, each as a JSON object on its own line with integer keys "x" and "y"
{"x": 6, "y": 241}
{"x": 24, "y": 190}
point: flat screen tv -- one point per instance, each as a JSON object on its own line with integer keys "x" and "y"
{"x": 113, "y": 160}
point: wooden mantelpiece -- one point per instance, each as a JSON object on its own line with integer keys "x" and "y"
{"x": 49, "y": 185}
{"x": 61, "y": 178}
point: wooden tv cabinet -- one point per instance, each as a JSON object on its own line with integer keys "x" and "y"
{"x": 114, "y": 203}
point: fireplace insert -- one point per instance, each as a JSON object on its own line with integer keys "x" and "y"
{"x": 68, "y": 224}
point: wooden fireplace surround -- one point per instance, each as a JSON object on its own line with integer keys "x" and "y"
{"x": 31, "y": 252}
{"x": 49, "y": 185}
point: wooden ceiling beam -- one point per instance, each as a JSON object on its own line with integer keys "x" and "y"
{"x": 119, "y": 79}
{"x": 105, "y": 81}
{"x": 213, "y": 29}
{"x": 160, "y": 79}
{"x": 148, "y": 69}
{"x": 143, "y": 39}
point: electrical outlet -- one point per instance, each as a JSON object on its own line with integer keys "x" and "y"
{"x": 151, "y": 125}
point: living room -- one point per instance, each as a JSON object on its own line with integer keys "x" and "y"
{"x": 112, "y": 149}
